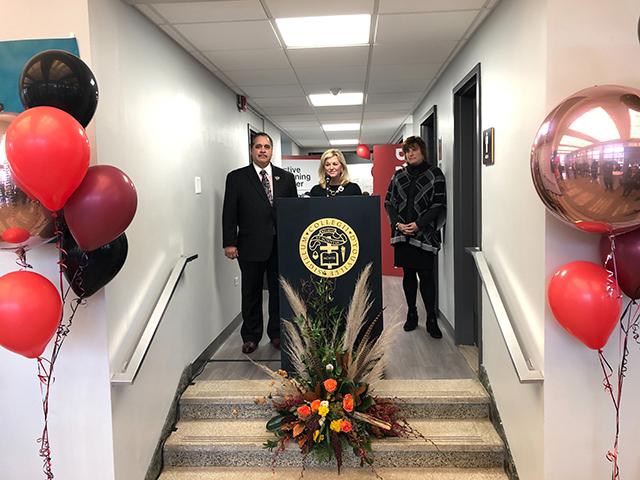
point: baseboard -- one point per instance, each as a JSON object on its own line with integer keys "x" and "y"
{"x": 494, "y": 415}
{"x": 444, "y": 322}
{"x": 188, "y": 375}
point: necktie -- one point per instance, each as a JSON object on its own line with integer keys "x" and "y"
{"x": 266, "y": 186}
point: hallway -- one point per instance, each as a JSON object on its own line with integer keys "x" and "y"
{"x": 415, "y": 354}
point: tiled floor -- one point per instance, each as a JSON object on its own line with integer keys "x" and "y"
{"x": 415, "y": 355}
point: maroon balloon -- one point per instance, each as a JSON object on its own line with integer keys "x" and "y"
{"x": 627, "y": 256}
{"x": 101, "y": 208}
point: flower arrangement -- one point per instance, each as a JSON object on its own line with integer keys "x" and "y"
{"x": 327, "y": 405}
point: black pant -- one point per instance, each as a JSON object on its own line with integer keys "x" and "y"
{"x": 252, "y": 282}
{"x": 427, "y": 289}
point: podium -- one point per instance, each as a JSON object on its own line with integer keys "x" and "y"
{"x": 334, "y": 237}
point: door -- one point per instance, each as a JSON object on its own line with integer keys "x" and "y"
{"x": 467, "y": 208}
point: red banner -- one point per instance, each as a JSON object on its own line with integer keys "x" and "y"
{"x": 386, "y": 160}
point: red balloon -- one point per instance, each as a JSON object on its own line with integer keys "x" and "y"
{"x": 30, "y": 311}
{"x": 48, "y": 152}
{"x": 627, "y": 256}
{"x": 363, "y": 151}
{"x": 585, "y": 301}
{"x": 101, "y": 208}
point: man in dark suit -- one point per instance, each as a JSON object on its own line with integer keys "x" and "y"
{"x": 249, "y": 235}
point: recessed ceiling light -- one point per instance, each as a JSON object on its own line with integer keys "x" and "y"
{"x": 330, "y": 100}
{"x": 329, "y": 31}
{"x": 341, "y": 127}
{"x": 349, "y": 141}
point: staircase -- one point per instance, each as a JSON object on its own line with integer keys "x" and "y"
{"x": 222, "y": 429}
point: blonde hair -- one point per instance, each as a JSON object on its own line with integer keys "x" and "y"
{"x": 344, "y": 175}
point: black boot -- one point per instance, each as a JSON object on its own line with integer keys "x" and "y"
{"x": 412, "y": 320}
{"x": 432, "y": 327}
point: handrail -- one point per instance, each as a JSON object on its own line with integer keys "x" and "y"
{"x": 527, "y": 373}
{"x": 132, "y": 367}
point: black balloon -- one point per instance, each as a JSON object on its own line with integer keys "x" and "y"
{"x": 88, "y": 272}
{"x": 55, "y": 78}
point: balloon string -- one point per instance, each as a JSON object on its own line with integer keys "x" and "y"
{"x": 45, "y": 366}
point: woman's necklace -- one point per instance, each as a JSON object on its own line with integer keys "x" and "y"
{"x": 333, "y": 192}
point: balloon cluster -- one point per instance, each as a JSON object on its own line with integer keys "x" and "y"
{"x": 45, "y": 178}
{"x": 585, "y": 164}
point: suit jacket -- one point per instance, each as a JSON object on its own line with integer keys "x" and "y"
{"x": 248, "y": 219}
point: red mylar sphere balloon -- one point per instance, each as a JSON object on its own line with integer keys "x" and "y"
{"x": 48, "y": 152}
{"x": 363, "y": 151}
{"x": 585, "y": 301}
{"x": 101, "y": 208}
{"x": 627, "y": 260}
{"x": 30, "y": 311}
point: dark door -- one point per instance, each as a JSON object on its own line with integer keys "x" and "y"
{"x": 467, "y": 208}
{"x": 429, "y": 133}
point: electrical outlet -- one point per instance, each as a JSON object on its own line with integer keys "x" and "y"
{"x": 236, "y": 281}
{"x": 198, "y": 185}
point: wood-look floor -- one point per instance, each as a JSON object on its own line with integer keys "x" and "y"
{"x": 415, "y": 355}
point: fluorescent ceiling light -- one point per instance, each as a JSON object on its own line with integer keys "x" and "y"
{"x": 330, "y": 100}
{"x": 330, "y": 31}
{"x": 341, "y": 127}
{"x": 349, "y": 141}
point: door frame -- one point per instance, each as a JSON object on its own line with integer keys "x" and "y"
{"x": 467, "y": 332}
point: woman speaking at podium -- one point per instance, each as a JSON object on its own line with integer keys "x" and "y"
{"x": 334, "y": 176}
{"x": 416, "y": 204}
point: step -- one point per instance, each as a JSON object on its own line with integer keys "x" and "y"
{"x": 464, "y": 398}
{"x": 222, "y": 473}
{"x": 238, "y": 443}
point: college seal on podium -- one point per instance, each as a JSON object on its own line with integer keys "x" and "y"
{"x": 329, "y": 247}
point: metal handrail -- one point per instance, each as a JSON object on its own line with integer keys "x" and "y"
{"x": 132, "y": 366}
{"x": 527, "y": 373}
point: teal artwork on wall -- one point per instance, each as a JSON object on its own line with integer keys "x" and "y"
{"x": 14, "y": 55}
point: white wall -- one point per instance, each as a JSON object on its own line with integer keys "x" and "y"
{"x": 164, "y": 119}
{"x": 80, "y": 420}
{"x": 511, "y": 48}
{"x": 590, "y": 43}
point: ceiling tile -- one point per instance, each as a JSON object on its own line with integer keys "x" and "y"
{"x": 284, "y": 110}
{"x": 195, "y": 12}
{"x": 324, "y": 87}
{"x": 230, "y": 35}
{"x": 393, "y": 98}
{"x": 300, "y": 101}
{"x": 298, "y": 8}
{"x": 350, "y": 109}
{"x": 272, "y": 76}
{"x": 248, "y": 59}
{"x": 376, "y": 139}
{"x": 336, "y": 75}
{"x": 408, "y": 52}
{"x": 328, "y": 57}
{"x": 326, "y": 117}
{"x": 399, "y": 114}
{"x": 423, "y": 28}
{"x": 150, "y": 12}
{"x": 180, "y": 40}
{"x": 402, "y": 72}
{"x": 406, "y": 6}
{"x": 391, "y": 107}
{"x": 399, "y": 85}
{"x": 273, "y": 91}
{"x": 283, "y": 119}
{"x": 299, "y": 124}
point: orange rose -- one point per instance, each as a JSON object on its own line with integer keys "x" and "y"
{"x": 304, "y": 411}
{"x": 330, "y": 385}
{"x": 346, "y": 426}
{"x": 347, "y": 403}
{"x": 315, "y": 405}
